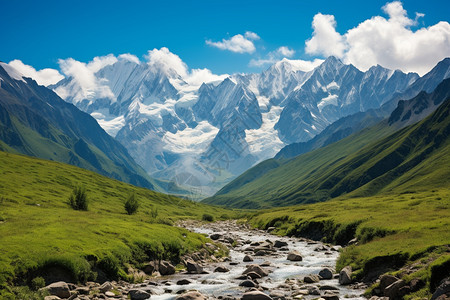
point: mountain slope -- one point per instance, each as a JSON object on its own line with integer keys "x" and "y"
{"x": 35, "y": 121}
{"x": 365, "y": 163}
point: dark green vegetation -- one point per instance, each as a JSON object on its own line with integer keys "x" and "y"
{"x": 78, "y": 199}
{"x": 132, "y": 205}
{"x": 41, "y": 234}
{"x": 37, "y": 122}
{"x": 377, "y": 160}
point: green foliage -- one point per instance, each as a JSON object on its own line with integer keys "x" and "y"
{"x": 207, "y": 218}
{"x": 24, "y": 292}
{"x": 78, "y": 199}
{"x": 131, "y": 205}
{"x": 37, "y": 283}
{"x": 154, "y": 212}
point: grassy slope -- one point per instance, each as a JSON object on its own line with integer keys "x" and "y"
{"x": 37, "y": 224}
{"x": 288, "y": 184}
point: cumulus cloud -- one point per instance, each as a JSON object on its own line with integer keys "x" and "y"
{"x": 43, "y": 77}
{"x": 238, "y": 43}
{"x": 129, "y": 57}
{"x": 166, "y": 60}
{"x": 198, "y": 76}
{"x": 390, "y": 42}
{"x": 85, "y": 84}
{"x": 272, "y": 57}
{"x": 325, "y": 40}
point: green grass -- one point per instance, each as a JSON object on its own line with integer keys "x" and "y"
{"x": 391, "y": 230}
{"x": 39, "y": 229}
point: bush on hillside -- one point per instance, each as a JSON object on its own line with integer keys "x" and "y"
{"x": 132, "y": 205}
{"x": 207, "y": 217}
{"x": 78, "y": 199}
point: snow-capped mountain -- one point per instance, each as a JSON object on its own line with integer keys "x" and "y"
{"x": 204, "y": 134}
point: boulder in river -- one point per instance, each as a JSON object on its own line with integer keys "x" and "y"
{"x": 257, "y": 269}
{"x": 294, "y": 256}
{"x": 247, "y": 283}
{"x": 330, "y": 296}
{"x": 256, "y": 295}
{"x": 183, "y": 282}
{"x": 191, "y": 295}
{"x": 311, "y": 278}
{"x": 221, "y": 269}
{"x": 345, "y": 276}
{"x": 326, "y": 273}
{"x": 248, "y": 258}
{"x": 280, "y": 244}
{"x": 106, "y": 286}
{"x": 138, "y": 294}
{"x": 215, "y": 236}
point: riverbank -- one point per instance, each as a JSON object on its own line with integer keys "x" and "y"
{"x": 259, "y": 266}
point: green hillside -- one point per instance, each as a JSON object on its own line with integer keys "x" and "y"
{"x": 39, "y": 229}
{"x": 367, "y": 163}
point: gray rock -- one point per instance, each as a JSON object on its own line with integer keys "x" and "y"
{"x": 248, "y": 258}
{"x": 266, "y": 264}
{"x": 294, "y": 256}
{"x": 138, "y": 294}
{"x": 311, "y": 278}
{"x": 221, "y": 269}
{"x": 51, "y": 298}
{"x": 280, "y": 244}
{"x": 60, "y": 289}
{"x": 345, "y": 276}
{"x": 247, "y": 283}
{"x": 393, "y": 291}
{"x": 83, "y": 290}
{"x": 215, "y": 236}
{"x": 277, "y": 295}
{"x": 106, "y": 286}
{"x": 326, "y": 273}
{"x": 183, "y": 282}
{"x": 261, "y": 253}
{"x": 166, "y": 268}
{"x": 193, "y": 268}
{"x": 330, "y": 296}
{"x": 312, "y": 289}
{"x": 443, "y": 288}
{"x": 149, "y": 268}
{"x": 191, "y": 295}
{"x": 110, "y": 294}
{"x": 385, "y": 281}
{"x": 328, "y": 288}
{"x": 255, "y": 295}
{"x": 257, "y": 269}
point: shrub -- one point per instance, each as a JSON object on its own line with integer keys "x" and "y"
{"x": 207, "y": 217}
{"x": 37, "y": 283}
{"x": 132, "y": 205}
{"x": 154, "y": 212}
{"x": 78, "y": 199}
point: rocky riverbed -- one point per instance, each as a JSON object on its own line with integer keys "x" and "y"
{"x": 259, "y": 266}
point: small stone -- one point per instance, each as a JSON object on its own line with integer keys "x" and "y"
{"x": 294, "y": 256}
{"x": 248, "y": 258}
{"x": 183, "y": 282}
{"x": 255, "y": 295}
{"x": 311, "y": 278}
{"x": 60, "y": 289}
{"x": 110, "y": 294}
{"x": 221, "y": 269}
{"x": 247, "y": 283}
{"x": 255, "y": 268}
{"x": 280, "y": 244}
{"x": 191, "y": 295}
{"x": 138, "y": 294}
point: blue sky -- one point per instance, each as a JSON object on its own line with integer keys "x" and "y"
{"x": 39, "y": 33}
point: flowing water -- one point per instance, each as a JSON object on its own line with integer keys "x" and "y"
{"x": 280, "y": 270}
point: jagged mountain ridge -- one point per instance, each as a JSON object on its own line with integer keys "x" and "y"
{"x": 37, "y": 122}
{"x": 382, "y": 158}
{"x": 215, "y": 131}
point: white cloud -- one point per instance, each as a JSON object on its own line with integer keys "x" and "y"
{"x": 285, "y": 51}
{"x": 237, "y": 43}
{"x": 325, "y": 39}
{"x": 166, "y": 60}
{"x": 389, "y": 41}
{"x": 129, "y": 57}
{"x": 305, "y": 65}
{"x": 85, "y": 84}
{"x": 198, "y": 76}
{"x": 252, "y": 36}
{"x": 43, "y": 77}
{"x": 272, "y": 57}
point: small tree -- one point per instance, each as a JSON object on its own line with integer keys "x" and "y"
{"x": 132, "y": 205}
{"x": 78, "y": 199}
